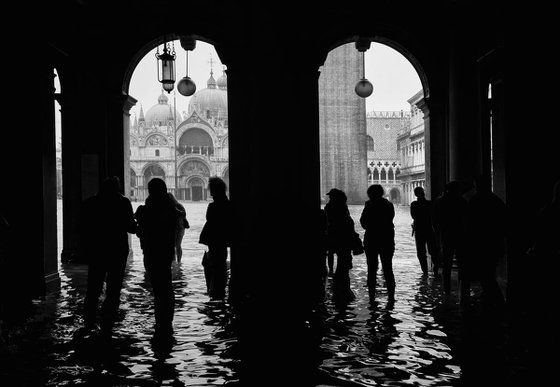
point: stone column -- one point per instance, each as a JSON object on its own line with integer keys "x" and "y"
{"x": 343, "y": 125}
{"x": 28, "y": 194}
{"x": 435, "y": 156}
{"x": 463, "y": 135}
{"x": 117, "y": 139}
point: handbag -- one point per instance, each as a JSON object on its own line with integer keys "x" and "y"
{"x": 357, "y": 245}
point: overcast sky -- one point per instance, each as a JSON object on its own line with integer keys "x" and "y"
{"x": 393, "y": 77}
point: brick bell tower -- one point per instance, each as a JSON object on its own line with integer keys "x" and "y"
{"x": 342, "y": 123}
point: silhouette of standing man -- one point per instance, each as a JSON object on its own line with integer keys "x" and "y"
{"x": 421, "y": 211}
{"x": 449, "y": 223}
{"x": 216, "y": 235}
{"x": 379, "y": 238}
{"x": 105, "y": 219}
{"x": 486, "y": 217}
{"x": 157, "y": 222}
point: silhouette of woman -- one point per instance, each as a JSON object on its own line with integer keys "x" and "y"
{"x": 216, "y": 235}
{"x": 340, "y": 234}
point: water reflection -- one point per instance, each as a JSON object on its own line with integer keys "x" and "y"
{"x": 367, "y": 341}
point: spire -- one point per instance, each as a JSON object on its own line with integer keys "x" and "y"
{"x": 211, "y": 84}
{"x": 141, "y": 114}
{"x": 211, "y": 81}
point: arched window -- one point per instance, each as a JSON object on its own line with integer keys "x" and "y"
{"x": 383, "y": 174}
{"x": 391, "y": 175}
{"x": 370, "y": 144}
{"x": 157, "y": 152}
{"x": 375, "y": 174}
{"x": 153, "y": 171}
{"x": 196, "y": 140}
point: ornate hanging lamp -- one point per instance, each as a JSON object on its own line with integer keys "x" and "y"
{"x": 166, "y": 65}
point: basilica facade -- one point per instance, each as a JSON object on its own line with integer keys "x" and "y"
{"x": 184, "y": 151}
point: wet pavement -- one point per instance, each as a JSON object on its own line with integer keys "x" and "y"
{"x": 423, "y": 339}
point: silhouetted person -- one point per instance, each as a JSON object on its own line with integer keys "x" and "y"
{"x": 485, "y": 233}
{"x": 449, "y": 223}
{"x": 157, "y": 223}
{"x": 216, "y": 234}
{"x": 182, "y": 224}
{"x": 340, "y": 234}
{"x": 421, "y": 211}
{"x": 104, "y": 223}
{"x": 379, "y": 239}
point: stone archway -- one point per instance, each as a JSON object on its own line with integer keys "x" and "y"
{"x": 196, "y": 189}
{"x": 193, "y": 173}
{"x": 153, "y": 171}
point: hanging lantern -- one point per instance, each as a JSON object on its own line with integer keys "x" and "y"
{"x": 363, "y": 88}
{"x": 166, "y": 66}
{"x": 186, "y": 86}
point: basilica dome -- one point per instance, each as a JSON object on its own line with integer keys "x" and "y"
{"x": 212, "y": 101}
{"x": 161, "y": 113}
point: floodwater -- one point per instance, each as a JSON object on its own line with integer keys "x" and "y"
{"x": 364, "y": 343}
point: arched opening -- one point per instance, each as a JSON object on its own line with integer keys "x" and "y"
{"x": 361, "y": 139}
{"x": 191, "y": 173}
{"x": 196, "y": 189}
{"x": 178, "y": 127}
{"x": 391, "y": 116}
{"x": 151, "y": 172}
{"x": 370, "y": 143}
{"x": 375, "y": 175}
{"x": 196, "y": 141}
